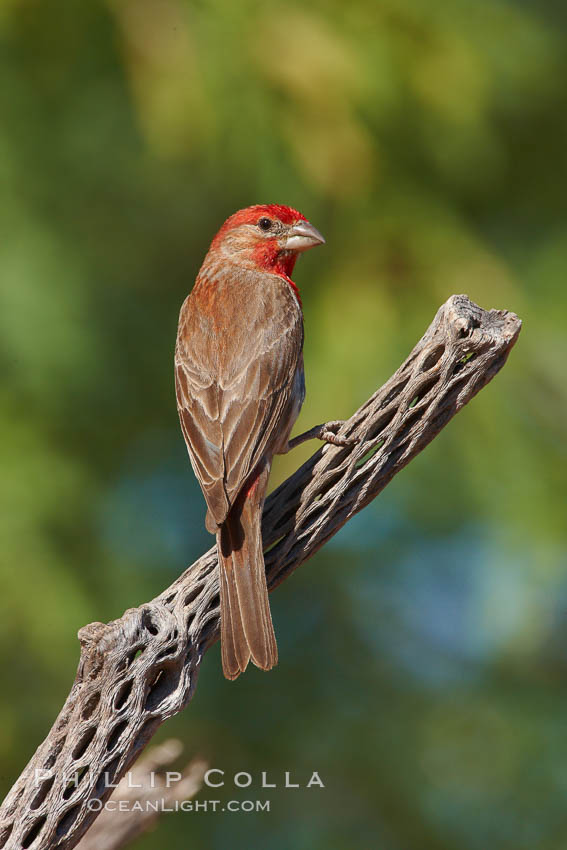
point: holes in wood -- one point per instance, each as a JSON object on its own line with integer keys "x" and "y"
{"x": 162, "y": 686}
{"x": 329, "y": 478}
{"x": 433, "y": 358}
{"x": 472, "y": 325}
{"x": 397, "y": 453}
{"x": 90, "y": 705}
{"x": 149, "y": 623}
{"x": 123, "y": 694}
{"x": 83, "y": 743}
{"x": 154, "y": 688}
{"x": 395, "y": 391}
{"x": 32, "y": 833}
{"x": 409, "y": 422}
{"x": 74, "y": 782}
{"x": 381, "y": 423}
{"x": 42, "y": 792}
{"x": 69, "y": 788}
{"x": 423, "y": 390}
{"x": 207, "y": 632}
{"x": 67, "y": 821}
{"x": 106, "y": 777}
{"x": 192, "y": 595}
{"x": 336, "y": 460}
{"x": 369, "y": 454}
{"x": 463, "y": 361}
{"x": 133, "y": 655}
{"x": 5, "y": 834}
{"x": 167, "y": 651}
{"x": 116, "y": 734}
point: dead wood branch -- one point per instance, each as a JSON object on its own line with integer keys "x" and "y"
{"x": 137, "y": 671}
{"x": 149, "y": 789}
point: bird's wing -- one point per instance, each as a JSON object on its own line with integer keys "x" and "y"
{"x": 236, "y": 389}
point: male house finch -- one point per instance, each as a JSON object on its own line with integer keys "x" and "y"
{"x": 240, "y": 385}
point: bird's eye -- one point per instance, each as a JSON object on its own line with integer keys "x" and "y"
{"x": 265, "y": 223}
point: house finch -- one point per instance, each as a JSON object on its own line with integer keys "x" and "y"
{"x": 240, "y": 386}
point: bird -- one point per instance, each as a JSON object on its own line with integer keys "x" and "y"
{"x": 240, "y": 384}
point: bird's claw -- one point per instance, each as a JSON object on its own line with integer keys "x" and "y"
{"x": 329, "y": 436}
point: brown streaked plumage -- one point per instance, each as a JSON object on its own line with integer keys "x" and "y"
{"x": 240, "y": 386}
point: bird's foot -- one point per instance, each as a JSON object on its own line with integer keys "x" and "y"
{"x": 326, "y": 433}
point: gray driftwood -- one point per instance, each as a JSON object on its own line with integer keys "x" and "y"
{"x": 137, "y": 671}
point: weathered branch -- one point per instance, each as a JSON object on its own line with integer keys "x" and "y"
{"x": 137, "y": 671}
{"x": 142, "y": 797}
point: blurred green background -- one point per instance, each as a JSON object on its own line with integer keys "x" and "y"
{"x": 423, "y": 666}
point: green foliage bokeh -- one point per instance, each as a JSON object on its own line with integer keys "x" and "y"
{"x": 423, "y": 657}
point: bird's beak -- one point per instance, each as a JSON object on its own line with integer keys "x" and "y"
{"x": 303, "y": 236}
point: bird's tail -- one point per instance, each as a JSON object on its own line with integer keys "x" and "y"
{"x": 246, "y": 622}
